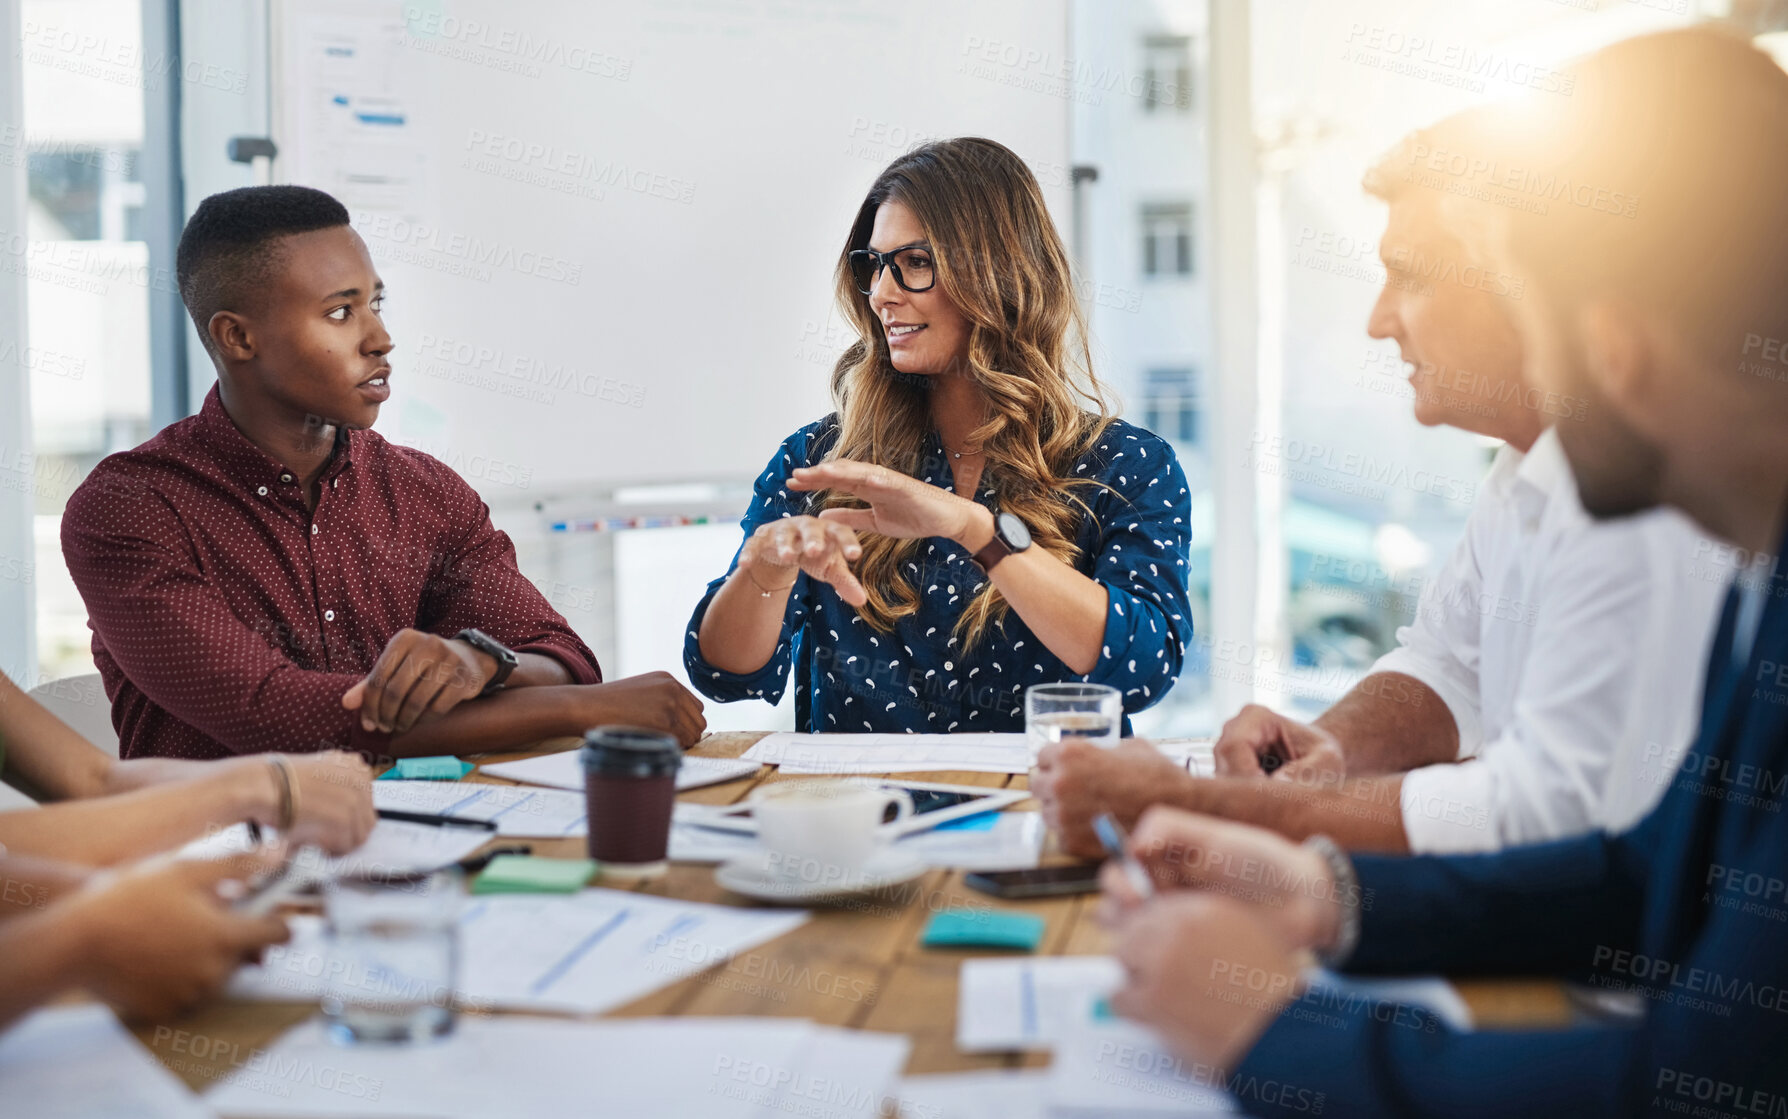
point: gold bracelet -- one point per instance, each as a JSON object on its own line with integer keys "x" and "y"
{"x": 288, "y": 791}
{"x": 765, "y": 591}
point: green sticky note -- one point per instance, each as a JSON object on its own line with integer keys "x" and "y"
{"x": 983, "y": 928}
{"x": 529, "y": 874}
{"x": 427, "y": 769}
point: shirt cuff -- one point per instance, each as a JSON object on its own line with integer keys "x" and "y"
{"x": 1461, "y": 702}
{"x": 1446, "y": 809}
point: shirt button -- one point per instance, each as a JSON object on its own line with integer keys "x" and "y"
{"x": 262, "y": 490}
{"x": 285, "y": 477}
{"x": 328, "y": 615}
{"x": 314, "y": 529}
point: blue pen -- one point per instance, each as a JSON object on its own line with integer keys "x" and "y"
{"x": 1117, "y": 845}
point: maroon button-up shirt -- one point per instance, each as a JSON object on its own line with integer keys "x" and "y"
{"x": 228, "y": 619}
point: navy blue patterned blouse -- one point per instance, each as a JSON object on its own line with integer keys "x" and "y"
{"x": 918, "y": 678}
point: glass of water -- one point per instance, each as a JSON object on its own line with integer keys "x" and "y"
{"x": 1053, "y": 712}
{"x": 393, "y": 958}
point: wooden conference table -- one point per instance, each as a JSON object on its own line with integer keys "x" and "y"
{"x": 859, "y": 966}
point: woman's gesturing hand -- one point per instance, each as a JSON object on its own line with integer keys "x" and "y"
{"x": 899, "y": 506}
{"x": 776, "y": 552}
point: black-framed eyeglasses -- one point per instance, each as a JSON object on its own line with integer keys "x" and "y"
{"x": 912, "y": 266}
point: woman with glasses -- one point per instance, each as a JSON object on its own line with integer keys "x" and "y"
{"x": 971, "y": 520}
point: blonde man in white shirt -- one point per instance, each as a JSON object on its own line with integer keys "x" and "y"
{"x": 1552, "y": 675}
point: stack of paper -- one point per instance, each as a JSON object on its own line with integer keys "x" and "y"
{"x": 912, "y": 753}
{"x": 728, "y": 1068}
{"x": 564, "y": 771}
{"x": 78, "y": 1061}
{"x": 587, "y": 952}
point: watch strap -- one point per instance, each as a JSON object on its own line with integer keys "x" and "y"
{"x": 497, "y": 651}
{"x": 994, "y": 551}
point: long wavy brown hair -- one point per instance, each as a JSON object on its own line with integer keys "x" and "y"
{"x": 999, "y": 260}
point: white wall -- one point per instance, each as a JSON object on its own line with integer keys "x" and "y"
{"x": 699, "y": 281}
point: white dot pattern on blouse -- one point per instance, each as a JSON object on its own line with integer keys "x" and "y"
{"x": 208, "y": 585}
{"x": 846, "y": 676}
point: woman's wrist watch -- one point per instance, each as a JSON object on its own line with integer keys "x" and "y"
{"x": 1009, "y": 535}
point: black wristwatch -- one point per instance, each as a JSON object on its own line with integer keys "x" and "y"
{"x": 499, "y": 652}
{"x": 1009, "y": 535}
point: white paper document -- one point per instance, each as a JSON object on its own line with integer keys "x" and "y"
{"x": 564, "y": 771}
{"x": 1011, "y": 841}
{"x": 77, "y": 1061}
{"x": 1002, "y": 1094}
{"x": 726, "y": 1068}
{"x": 912, "y": 753}
{"x": 519, "y": 812}
{"x": 394, "y": 847}
{"x": 587, "y": 952}
{"x": 1114, "y": 1068}
{"x": 1029, "y": 1004}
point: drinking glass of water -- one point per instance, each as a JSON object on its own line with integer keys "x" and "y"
{"x": 393, "y": 951}
{"x": 1053, "y": 712}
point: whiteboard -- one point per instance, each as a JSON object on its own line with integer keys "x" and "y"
{"x": 608, "y": 228}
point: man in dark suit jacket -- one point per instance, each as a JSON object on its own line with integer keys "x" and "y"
{"x": 1667, "y": 317}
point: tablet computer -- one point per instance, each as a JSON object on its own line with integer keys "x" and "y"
{"x": 933, "y": 804}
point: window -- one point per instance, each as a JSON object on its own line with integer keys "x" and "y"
{"x": 1167, "y": 239}
{"x": 1171, "y": 405}
{"x": 88, "y": 288}
{"x": 1167, "y": 73}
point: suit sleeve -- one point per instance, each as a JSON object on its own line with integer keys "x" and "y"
{"x": 1716, "y": 1021}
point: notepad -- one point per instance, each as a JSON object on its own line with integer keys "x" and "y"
{"x": 983, "y": 928}
{"x": 427, "y": 769}
{"x": 1018, "y": 1004}
{"x": 530, "y": 874}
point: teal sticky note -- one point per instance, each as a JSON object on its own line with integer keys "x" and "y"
{"x": 529, "y": 874}
{"x": 427, "y": 769}
{"x": 981, "y": 821}
{"x": 983, "y": 928}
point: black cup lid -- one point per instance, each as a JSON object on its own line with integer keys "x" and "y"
{"x": 630, "y": 752}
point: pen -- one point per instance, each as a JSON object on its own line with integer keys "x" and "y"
{"x": 435, "y": 820}
{"x": 1117, "y": 845}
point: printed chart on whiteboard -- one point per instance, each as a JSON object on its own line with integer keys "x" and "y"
{"x": 350, "y": 126}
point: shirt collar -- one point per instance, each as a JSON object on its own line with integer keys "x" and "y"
{"x": 247, "y": 463}
{"x": 1533, "y": 480}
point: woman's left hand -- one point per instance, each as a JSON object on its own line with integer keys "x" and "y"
{"x": 899, "y": 506}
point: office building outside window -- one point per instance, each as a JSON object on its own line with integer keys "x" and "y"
{"x": 1167, "y": 239}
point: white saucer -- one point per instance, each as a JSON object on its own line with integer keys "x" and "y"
{"x": 753, "y": 878}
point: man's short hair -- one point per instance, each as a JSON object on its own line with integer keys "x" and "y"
{"x": 1668, "y": 163}
{"x": 229, "y": 248}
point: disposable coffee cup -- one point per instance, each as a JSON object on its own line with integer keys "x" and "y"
{"x": 630, "y": 786}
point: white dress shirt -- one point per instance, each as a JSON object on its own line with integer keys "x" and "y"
{"x": 1571, "y": 654}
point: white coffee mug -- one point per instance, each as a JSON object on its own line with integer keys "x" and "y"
{"x": 824, "y": 832}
